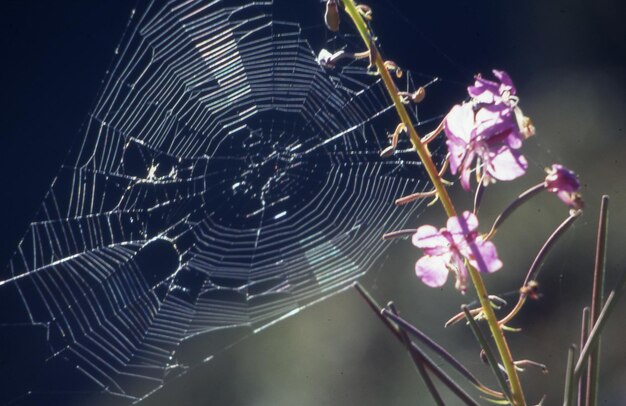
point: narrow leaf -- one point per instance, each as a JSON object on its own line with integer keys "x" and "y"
{"x": 438, "y": 372}
{"x": 569, "y": 377}
{"x": 584, "y": 335}
{"x": 599, "y": 270}
{"x": 606, "y": 312}
{"x": 419, "y": 363}
{"x": 491, "y": 359}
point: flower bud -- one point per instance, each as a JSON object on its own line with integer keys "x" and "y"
{"x": 331, "y": 17}
{"x": 565, "y": 184}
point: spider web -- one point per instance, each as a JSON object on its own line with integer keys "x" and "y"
{"x": 224, "y": 181}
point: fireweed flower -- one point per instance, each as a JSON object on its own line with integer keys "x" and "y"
{"x": 491, "y": 128}
{"x": 565, "y": 184}
{"x": 446, "y": 250}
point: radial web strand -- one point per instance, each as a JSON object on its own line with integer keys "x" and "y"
{"x": 224, "y": 181}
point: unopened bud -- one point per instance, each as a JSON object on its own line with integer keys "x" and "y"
{"x": 331, "y": 17}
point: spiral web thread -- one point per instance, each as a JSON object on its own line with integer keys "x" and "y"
{"x": 224, "y": 181}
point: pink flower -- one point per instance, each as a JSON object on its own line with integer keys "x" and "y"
{"x": 564, "y": 183}
{"x": 492, "y": 137}
{"x": 490, "y": 128}
{"x": 447, "y": 249}
{"x": 489, "y": 92}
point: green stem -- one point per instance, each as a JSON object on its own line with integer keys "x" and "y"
{"x": 585, "y": 328}
{"x": 420, "y": 148}
{"x": 444, "y": 197}
{"x": 593, "y": 372}
{"x": 594, "y": 335}
{"x": 568, "y": 396}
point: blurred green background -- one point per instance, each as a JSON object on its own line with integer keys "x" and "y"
{"x": 567, "y": 60}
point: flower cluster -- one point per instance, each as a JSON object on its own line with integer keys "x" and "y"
{"x": 447, "y": 249}
{"x": 491, "y": 128}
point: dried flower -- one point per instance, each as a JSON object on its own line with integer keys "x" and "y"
{"x": 446, "y": 250}
{"x": 565, "y": 184}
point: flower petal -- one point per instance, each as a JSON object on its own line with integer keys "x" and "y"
{"x": 487, "y": 259}
{"x": 497, "y": 125}
{"x": 464, "y": 224}
{"x": 457, "y": 153}
{"x": 431, "y": 240}
{"x": 506, "y": 164}
{"x": 505, "y": 80}
{"x": 432, "y": 270}
{"x": 459, "y": 124}
{"x": 484, "y": 91}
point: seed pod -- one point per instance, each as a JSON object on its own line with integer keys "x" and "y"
{"x": 331, "y": 17}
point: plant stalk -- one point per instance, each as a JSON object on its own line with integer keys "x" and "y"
{"x": 444, "y": 197}
{"x": 606, "y": 312}
{"x": 585, "y": 328}
{"x": 593, "y": 373}
{"x": 568, "y": 397}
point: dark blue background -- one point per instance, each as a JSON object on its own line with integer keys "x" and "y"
{"x": 54, "y": 55}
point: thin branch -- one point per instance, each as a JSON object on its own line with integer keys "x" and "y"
{"x": 547, "y": 246}
{"x": 522, "y": 198}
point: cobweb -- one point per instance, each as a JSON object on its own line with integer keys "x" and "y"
{"x": 224, "y": 181}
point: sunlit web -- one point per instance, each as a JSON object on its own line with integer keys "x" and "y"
{"x": 224, "y": 181}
